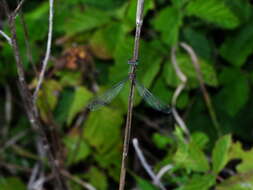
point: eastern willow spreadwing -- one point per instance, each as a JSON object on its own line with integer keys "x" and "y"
{"x": 109, "y": 95}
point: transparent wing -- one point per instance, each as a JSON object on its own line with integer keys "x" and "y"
{"x": 151, "y": 100}
{"x": 107, "y": 97}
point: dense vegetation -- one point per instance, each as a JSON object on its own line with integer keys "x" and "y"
{"x": 92, "y": 42}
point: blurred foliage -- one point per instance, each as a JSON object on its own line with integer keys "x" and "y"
{"x": 91, "y": 45}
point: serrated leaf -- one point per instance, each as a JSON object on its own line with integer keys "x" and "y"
{"x": 238, "y": 47}
{"x": 186, "y": 66}
{"x": 80, "y": 100}
{"x": 214, "y": 11}
{"x": 199, "y": 183}
{"x": 168, "y": 22}
{"x": 220, "y": 153}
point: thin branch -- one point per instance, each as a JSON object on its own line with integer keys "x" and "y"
{"x": 78, "y": 180}
{"x": 132, "y": 75}
{"x": 6, "y": 37}
{"x": 13, "y": 140}
{"x": 20, "y": 4}
{"x": 146, "y": 166}
{"x": 48, "y": 51}
{"x": 178, "y": 91}
{"x": 207, "y": 98}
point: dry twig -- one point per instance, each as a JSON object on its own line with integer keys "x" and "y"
{"x": 6, "y": 37}
{"x": 146, "y": 166}
{"x": 78, "y": 180}
{"x": 178, "y": 91}
{"x": 207, "y": 98}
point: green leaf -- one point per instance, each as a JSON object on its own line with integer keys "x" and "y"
{"x": 199, "y": 42}
{"x": 64, "y": 104}
{"x": 235, "y": 93}
{"x": 179, "y": 3}
{"x": 191, "y": 157}
{"x": 11, "y": 183}
{"x": 242, "y": 181}
{"x": 77, "y": 148}
{"x": 69, "y": 78}
{"x": 111, "y": 160}
{"x": 161, "y": 141}
{"x": 80, "y": 100}
{"x": 97, "y": 178}
{"x": 199, "y": 182}
{"x": 161, "y": 90}
{"x": 201, "y": 139}
{"x": 102, "y": 129}
{"x": 187, "y": 68}
{"x": 105, "y": 4}
{"x": 220, "y": 153}
{"x": 246, "y": 157}
{"x": 144, "y": 184}
{"x": 48, "y": 98}
{"x": 104, "y": 41}
{"x": 241, "y": 8}
{"x": 37, "y": 15}
{"x": 214, "y": 11}
{"x": 168, "y": 22}
{"x": 81, "y": 21}
{"x": 239, "y": 46}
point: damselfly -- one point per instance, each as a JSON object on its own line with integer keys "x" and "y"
{"x": 109, "y": 95}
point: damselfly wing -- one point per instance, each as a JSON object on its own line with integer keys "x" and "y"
{"x": 151, "y": 100}
{"x": 107, "y": 97}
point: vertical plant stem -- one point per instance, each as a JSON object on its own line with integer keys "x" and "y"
{"x": 132, "y": 74}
